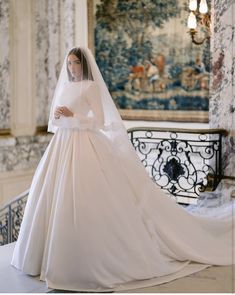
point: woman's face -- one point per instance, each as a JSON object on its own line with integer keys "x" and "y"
{"x": 75, "y": 68}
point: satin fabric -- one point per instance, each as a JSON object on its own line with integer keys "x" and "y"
{"x": 95, "y": 221}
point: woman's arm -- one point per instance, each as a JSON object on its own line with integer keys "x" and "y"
{"x": 94, "y": 119}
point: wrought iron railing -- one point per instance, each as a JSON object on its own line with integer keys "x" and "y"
{"x": 183, "y": 162}
{"x": 10, "y": 219}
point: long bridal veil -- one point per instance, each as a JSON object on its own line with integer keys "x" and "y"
{"x": 112, "y": 127}
{"x": 91, "y": 197}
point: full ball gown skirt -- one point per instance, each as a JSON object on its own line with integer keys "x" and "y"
{"x": 84, "y": 228}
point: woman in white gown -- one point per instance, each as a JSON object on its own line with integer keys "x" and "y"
{"x": 94, "y": 220}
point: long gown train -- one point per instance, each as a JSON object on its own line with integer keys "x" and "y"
{"x": 96, "y": 222}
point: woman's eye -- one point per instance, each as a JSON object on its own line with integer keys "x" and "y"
{"x": 75, "y": 62}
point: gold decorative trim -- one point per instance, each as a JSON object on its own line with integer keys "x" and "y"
{"x": 159, "y": 115}
{"x": 5, "y": 132}
{"x": 90, "y": 20}
{"x": 41, "y": 129}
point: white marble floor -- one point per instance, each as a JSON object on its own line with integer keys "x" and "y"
{"x": 211, "y": 280}
{"x": 12, "y": 280}
{"x": 215, "y": 279}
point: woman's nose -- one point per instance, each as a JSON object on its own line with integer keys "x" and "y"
{"x": 72, "y": 67}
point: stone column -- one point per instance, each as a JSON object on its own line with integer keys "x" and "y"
{"x": 222, "y": 95}
{"x": 23, "y": 120}
{"x": 4, "y": 66}
{"x": 81, "y": 24}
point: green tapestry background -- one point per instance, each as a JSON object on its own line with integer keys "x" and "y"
{"x": 147, "y": 58}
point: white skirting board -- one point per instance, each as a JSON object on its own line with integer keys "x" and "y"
{"x": 14, "y": 281}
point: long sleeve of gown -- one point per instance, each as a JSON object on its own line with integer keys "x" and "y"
{"x": 87, "y": 111}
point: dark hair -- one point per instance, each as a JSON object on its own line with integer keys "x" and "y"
{"x": 87, "y": 75}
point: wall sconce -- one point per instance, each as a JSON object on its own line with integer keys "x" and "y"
{"x": 199, "y": 17}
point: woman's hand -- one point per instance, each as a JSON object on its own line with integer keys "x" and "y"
{"x": 62, "y": 111}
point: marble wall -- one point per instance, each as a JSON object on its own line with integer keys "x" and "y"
{"x": 55, "y": 34}
{"x": 4, "y": 65}
{"x": 54, "y": 26}
{"x": 50, "y": 29}
{"x": 23, "y": 152}
{"x": 222, "y": 88}
{"x": 34, "y": 37}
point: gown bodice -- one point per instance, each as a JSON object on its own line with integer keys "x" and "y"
{"x": 83, "y": 99}
{"x": 73, "y": 96}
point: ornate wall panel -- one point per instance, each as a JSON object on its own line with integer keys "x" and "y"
{"x": 4, "y": 65}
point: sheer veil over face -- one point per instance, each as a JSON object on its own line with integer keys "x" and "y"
{"x": 89, "y": 72}
{"x": 80, "y": 67}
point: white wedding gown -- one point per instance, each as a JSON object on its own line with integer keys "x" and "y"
{"x": 84, "y": 228}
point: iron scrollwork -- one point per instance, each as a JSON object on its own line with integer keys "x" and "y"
{"x": 182, "y": 162}
{"x": 10, "y": 219}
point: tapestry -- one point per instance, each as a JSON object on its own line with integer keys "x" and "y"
{"x": 148, "y": 61}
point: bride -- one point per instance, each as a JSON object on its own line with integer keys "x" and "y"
{"x": 94, "y": 220}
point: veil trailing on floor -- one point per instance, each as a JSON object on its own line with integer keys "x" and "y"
{"x": 91, "y": 197}
{"x": 111, "y": 125}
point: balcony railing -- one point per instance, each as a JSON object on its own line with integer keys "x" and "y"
{"x": 11, "y": 216}
{"x": 182, "y": 162}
